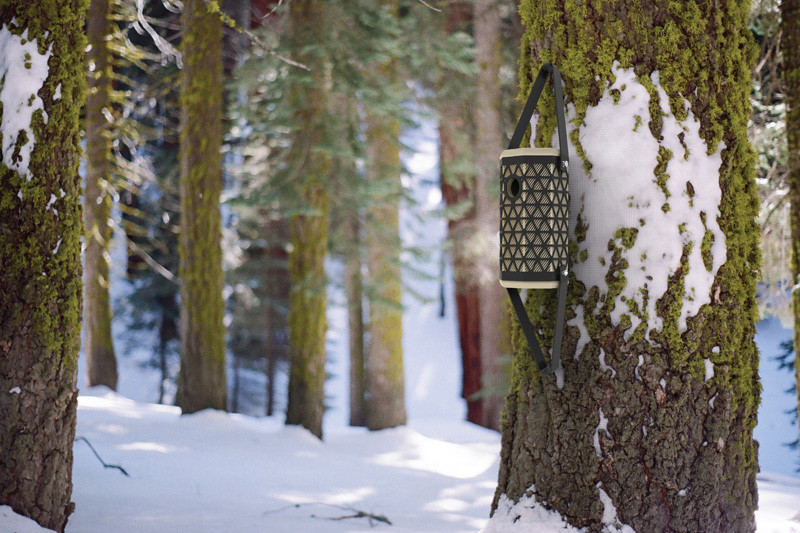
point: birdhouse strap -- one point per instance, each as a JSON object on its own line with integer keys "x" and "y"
{"x": 530, "y": 334}
{"x": 548, "y": 69}
{"x": 527, "y": 330}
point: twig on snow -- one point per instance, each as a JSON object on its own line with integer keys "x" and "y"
{"x": 106, "y": 465}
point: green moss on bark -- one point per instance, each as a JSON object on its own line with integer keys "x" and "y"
{"x": 667, "y": 424}
{"x": 309, "y": 232}
{"x": 40, "y": 286}
{"x": 202, "y": 382}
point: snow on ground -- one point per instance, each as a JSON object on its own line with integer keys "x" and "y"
{"x": 219, "y": 472}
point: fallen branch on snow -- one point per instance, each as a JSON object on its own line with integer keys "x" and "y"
{"x": 372, "y": 518}
{"x": 105, "y": 465}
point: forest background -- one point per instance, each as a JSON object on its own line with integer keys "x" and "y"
{"x": 380, "y": 70}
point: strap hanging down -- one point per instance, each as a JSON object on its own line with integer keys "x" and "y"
{"x": 530, "y": 334}
{"x": 548, "y": 69}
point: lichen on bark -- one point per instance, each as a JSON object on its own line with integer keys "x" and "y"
{"x": 40, "y": 286}
{"x": 201, "y": 383}
{"x": 670, "y": 434}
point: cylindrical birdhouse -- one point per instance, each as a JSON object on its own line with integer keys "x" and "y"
{"x": 534, "y": 218}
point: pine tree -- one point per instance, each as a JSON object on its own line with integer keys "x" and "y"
{"x": 201, "y": 383}
{"x": 385, "y": 379}
{"x": 101, "y": 364}
{"x": 652, "y": 424}
{"x": 790, "y": 47}
{"x": 40, "y": 230}
{"x": 309, "y": 231}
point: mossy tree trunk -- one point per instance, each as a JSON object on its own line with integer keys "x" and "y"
{"x": 101, "y": 364}
{"x": 385, "y": 381}
{"x": 790, "y": 48}
{"x": 384, "y": 356}
{"x": 488, "y": 145}
{"x": 201, "y": 383}
{"x": 652, "y": 425}
{"x": 40, "y": 231}
{"x": 309, "y": 231}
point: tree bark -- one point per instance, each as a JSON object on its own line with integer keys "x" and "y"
{"x": 40, "y": 249}
{"x": 201, "y": 383}
{"x": 488, "y": 145}
{"x": 355, "y": 319}
{"x": 790, "y": 48}
{"x": 384, "y": 357}
{"x": 652, "y": 425}
{"x": 456, "y": 136}
{"x": 308, "y": 232}
{"x": 101, "y": 364}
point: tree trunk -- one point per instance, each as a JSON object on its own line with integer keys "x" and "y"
{"x": 40, "y": 232}
{"x": 790, "y": 48}
{"x": 202, "y": 382}
{"x": 355, "y": 319}
{"x": 101, "y": 365}
{"x": 308, "y": 232}
{"x": 384, "y": 357}
{"x": 488, "y": 145}
{"x": 651, "y": 424}
{"x": 458, "y": 189}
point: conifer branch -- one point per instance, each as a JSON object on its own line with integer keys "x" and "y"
{"x": 424, "y": 3}
{"x": 213, "y": 7}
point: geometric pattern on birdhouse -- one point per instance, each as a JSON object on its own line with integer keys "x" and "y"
{"x": 534, "y": 215}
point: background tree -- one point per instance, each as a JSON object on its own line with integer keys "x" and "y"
{"x": 489, "y": 141}
{"x": 101, "y": 364}
{"x": 652, "y": 424}
{"x": 40, "y": 230}
{"x": 385, "y": 379}
{"x": 309, "y": 231}
{"x": 790, "y": 47}
{"x": 202, "y": 382}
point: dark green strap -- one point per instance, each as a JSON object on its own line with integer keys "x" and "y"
{"x": 527, "y": 330}
{"x": 561, "y": 309}
{"x": 530, "y": 335}
{"x": 548, "y": 69}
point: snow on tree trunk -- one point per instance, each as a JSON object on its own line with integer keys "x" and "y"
{"x": 652, "y": 425}
{"x": 101, "y": 364}
{"x": 790, "y": 48}
{"x": 42, "y": 69}
{"x": 202, "y": 383}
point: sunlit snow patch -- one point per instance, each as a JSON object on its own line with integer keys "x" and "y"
{"x": 621, "y": 191}
{"x": 23, "y": 71}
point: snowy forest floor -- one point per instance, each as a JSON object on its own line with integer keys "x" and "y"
{"x": 214, "y": 472}
{"x": 220, "y": 472}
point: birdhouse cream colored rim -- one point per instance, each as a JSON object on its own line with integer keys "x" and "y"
{"x": 511, "y": 284}
{"x": 517, "y": 152}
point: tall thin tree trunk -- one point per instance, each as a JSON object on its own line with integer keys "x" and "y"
{"x": 101, "y": 365}
{"x": 355, "y": 320}
{"x": 790, "y": 48}
{"x": 455, "y": 143}
{"x": 384, "y": 356}
{"x": 652, "y": 425}
{"x": 40, "y": 254}
{"x": 308, "y": 232}
{"x": 202, "y": 382}
{"x": 488, "y": 145}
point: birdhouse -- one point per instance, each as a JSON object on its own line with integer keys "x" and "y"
{"x": 534, "y": 218}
